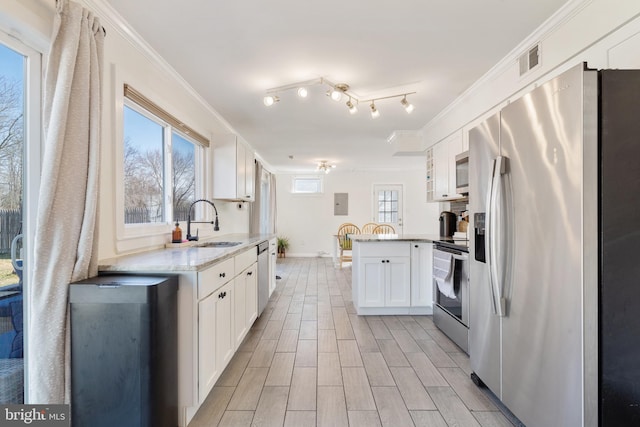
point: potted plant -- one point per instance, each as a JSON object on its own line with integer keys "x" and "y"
{"x": 283, "y": 245}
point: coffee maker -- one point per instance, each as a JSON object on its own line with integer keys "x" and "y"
{"x": 447, "y": 224}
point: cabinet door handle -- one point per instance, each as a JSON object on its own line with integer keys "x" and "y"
{"x": 249, "y": 273}
{"x": 415, "y": 246}
{"x": 223, "y": 275}
{"x": 383, "y": 261}
{"x": 221, "y": 295}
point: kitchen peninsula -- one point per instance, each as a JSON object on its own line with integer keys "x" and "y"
{"x": 217, "y": 304}
{"x": 392, "y": 274}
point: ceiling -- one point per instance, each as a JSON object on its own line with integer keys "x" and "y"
{"x": 231, "y": 52}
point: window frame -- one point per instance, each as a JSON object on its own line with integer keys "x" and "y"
{"x": 167, "y": 148}
{"x": 319, "y": 178}
{"x": 140, "y": 236}
{"x": 33, "y": 150}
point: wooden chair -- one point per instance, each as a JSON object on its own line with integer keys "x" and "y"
{"x": 345, "y": 242}
{"x": 384, "y": 229}
{"x": 368, "y": 228}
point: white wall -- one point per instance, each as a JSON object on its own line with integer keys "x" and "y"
{"x": 309, "y": 223}
{"x": 128, "y": 59}
{"x": 602, "y": 33}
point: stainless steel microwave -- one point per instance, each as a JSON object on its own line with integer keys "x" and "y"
{"x": 462, "y": 173}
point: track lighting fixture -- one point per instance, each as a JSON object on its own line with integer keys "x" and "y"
{"x": 269, "y": 100}
{"x": 336, "y": 91}
{"x": 374, "y": 111}
{"x": 352, "y": 108}
{"x": 407, "y": 105}
{"x": 325, "y": 166}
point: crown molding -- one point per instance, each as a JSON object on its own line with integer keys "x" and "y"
{"x": 563, "y": 15}
{"x": 116, "y": 22}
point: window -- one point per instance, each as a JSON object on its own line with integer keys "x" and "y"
{"x": 307, "y": 185}
{"x": 159, "y": 169}
{"x": 387, "y": 205}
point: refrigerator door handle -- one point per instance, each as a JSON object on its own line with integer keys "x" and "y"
{"x": 495, "y": 235}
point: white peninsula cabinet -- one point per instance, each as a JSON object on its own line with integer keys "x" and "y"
{"x": 389, "y": 277}
{"x": 233, "y": 169}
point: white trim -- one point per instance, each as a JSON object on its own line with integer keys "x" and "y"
{"x": 16, "y": 24}
{"x": 115, "y": 21}
{"x": 567, "y": 12}
{"x": 33, "y": 143}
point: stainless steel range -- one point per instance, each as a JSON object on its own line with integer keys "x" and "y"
{"x": 451, "y": 292}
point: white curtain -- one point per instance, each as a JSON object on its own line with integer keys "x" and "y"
{"x": 272, "y": 204}
{"x": 65, "y": 240}
{"x": 256, "y": 206}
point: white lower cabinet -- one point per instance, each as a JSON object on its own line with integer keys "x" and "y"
{"x": 392, "y": 277}
{"x": 215, "y": 340}
{"x": 207, "y": 373}
{"x": 227, "y": 307}
{"x": 398, "y": 284}
{"x": 245, "y": 302}
{"x": 385, "y": 282}
{"x": 273, "y": 254}
{"x": 225, "y": 344}
{"x": 251, "y": 281}
{"x": 239, "y": 311}
{"x": 421, "y": 275}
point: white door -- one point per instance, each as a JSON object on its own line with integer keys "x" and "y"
{"x": 398, "y": 285}
{"x": 207, "y": 373}
{"x": 20, "y": 130}
{"x": 387, "y": 205}
{"x": 372, "y": 281}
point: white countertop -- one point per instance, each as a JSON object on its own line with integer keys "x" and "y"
{"x": 394, "y": 237}
{"x": 183, "y": 256}
{"x": 428, "y": 238}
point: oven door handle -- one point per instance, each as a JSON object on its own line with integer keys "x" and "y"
{"x": 460, "y": 257}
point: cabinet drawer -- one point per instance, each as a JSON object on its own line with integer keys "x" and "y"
{"x": 212, "y": 278}
{"x": 246, "y": 258}
{"x": 384, "y": 249}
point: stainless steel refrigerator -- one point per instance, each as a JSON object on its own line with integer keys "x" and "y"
{"x": 554, "y": 196}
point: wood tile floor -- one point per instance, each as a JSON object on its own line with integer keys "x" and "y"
{"x": 309, "y": 360}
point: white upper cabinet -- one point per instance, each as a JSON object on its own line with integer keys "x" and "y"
{"x": 233, "y": 169}
{"x": 441, "y": 169}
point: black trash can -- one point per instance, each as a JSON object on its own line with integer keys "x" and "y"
{"x": 124, "y": 360}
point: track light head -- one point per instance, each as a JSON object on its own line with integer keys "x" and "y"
{"x": 303, "y": 92}
{"x": 336, "y": 91}
{"x": 407, "y": 105}
{"x": 335, "y": 94}
{"x": 269, "y": 100}
{"x": 374, "y": 111}
{"x": 352, "y": 107}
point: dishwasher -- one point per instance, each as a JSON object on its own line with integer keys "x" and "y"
{"x": 263, "y": 275}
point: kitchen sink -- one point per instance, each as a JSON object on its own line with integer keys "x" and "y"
{"x": 218, "y": 244}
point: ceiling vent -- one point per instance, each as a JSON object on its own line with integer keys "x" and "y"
{"x": 529, "y": 60}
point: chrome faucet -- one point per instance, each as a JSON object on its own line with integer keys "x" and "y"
{"x": 216, "y": 227}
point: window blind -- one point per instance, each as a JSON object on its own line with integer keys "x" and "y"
{"x": 154, "y": 109}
